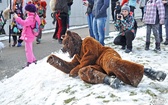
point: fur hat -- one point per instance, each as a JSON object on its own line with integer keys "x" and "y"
{"x": 30, "y": 8}
{"x": 125, "y": 7}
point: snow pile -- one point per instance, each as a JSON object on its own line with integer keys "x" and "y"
{"x": 42, "y": 84}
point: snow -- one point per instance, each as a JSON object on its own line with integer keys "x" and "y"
{"x": 42, "y": 84}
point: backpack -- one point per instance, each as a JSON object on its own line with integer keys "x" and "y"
{"x": 36, "y": 29}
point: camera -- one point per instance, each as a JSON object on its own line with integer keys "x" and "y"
{"x": 119, "y": 16}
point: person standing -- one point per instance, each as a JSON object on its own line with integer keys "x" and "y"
{"x": 142, "y": 4}
{"x": 117, "y": 10}
{"x": 165, "y": 2}
{"x": 154, "y": 15}
{"x": 61, "y": 16}
{"x": 17, "y": 28}
{"x": 113, "y": 5}
{"x": 89, "y": 15}
{"x": 27, "y": 33}
{"x": 132, "y": 4}
{"x": 99, "y": 19}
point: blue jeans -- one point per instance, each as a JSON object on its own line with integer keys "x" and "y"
{"x": 166, "y": 29}
{"x": 99, "y": 29}
{"x": 90, "y": 24}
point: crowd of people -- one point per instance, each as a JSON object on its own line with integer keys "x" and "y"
{"x": 154, "y": 15}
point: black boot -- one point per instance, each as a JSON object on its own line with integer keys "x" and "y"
{"x": 154, "y": 75}
{"x": 147, "y": 45}
{"x": 157, "y": 47}
{"x": 113, "y": 82}
{"x": 123, "y": 47}
{"x": 166, "y": 42}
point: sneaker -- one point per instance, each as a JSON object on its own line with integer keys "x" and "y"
{"x": 128, "y": 51}
{"x": 19, "y": 45}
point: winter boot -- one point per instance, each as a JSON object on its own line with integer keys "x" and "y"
{"x": 14, "y": 44}
{"x": 19, "y": 44}
{"x": 113, "y": 82}
{"x": 166, "y": 42}
{"x": 147, "y": 46}
{"x": 157, "y": 48}
{"x": 154, "y": 75}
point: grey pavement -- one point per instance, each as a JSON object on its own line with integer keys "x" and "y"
{"x": 13, "y": 58}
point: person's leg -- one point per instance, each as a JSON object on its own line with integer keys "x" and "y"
{"x": 160, "y": 33}
{"x": 113, "y": 4}
{"x": 166, "y": 29}
{"x": 148, "y": 33}
{"x": 87, "y": 74}
{"x": 38, "y": 38}
{"x": 101, "y": 29}
{"x": 14, "y": 40}
{"x": 56, "y": 30}
{"x": 29, "y": 52}
{"x": 90, "y": 24}
{"x": 129, "y": 35}
{"x": 59, "y": 20}
{"x": 64, "y": 24}
{"x": 142, "y": 11}
{"x": 62, "y": 27}
{"x": 155, "y": 29}
{"x": 95, "y": 29}
{"x": 120, "y": 40}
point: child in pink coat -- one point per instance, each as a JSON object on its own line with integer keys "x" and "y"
{"x": 27, "y": 32}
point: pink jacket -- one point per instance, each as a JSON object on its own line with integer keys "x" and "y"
{"x": 27, "y": 32}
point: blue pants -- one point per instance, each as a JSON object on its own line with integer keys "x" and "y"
{"x": 90, "y": 24}
{"x": 99, "y": 29}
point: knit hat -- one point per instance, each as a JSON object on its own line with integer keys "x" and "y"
{"x": 30, "y": 8}
{"x": 125, "y": 7}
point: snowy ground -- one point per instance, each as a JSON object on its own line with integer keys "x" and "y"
{"x": 42, "y": 84}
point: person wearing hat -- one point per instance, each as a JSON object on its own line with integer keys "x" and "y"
{"x": 27, "y": 33}
{"x": 127, "y": 27}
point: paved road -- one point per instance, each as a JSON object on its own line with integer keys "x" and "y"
{"x": 13, "y": 58}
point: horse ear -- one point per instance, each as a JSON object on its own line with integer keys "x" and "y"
{"x": 63, "y": 36}
{"x": 68, "y": 33}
